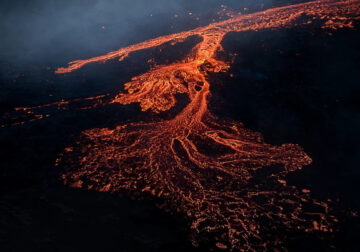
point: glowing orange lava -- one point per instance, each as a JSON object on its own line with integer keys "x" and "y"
{"x": 197, "y": 164}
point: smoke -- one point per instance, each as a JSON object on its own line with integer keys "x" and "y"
{"x": 50, "y": 32}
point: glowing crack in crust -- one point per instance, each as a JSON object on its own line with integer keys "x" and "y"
{"x": 227, "y": 181}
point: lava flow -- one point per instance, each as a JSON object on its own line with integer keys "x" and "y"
{"x": 225, "y": 179}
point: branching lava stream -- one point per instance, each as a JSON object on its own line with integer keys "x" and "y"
{"x": 234, "y": 191}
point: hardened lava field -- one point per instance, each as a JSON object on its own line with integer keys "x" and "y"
{"x": 227, "y": 182}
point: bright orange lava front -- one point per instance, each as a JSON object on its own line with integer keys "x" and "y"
{"x": 216, "y": 186}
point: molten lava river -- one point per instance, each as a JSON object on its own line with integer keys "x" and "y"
{"x": 217, "y": 190}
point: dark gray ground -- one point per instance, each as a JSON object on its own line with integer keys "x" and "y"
{"x": 299, "y": 86}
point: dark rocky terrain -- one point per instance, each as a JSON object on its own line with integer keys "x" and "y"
{"x": 298, "y": 86}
